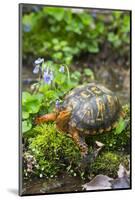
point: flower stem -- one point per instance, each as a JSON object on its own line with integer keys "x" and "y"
{"x": 68, "y": 73}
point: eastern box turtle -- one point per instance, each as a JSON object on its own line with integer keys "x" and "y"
{"x": 86, "y": 110}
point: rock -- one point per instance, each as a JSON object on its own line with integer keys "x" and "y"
{"x": 100, "y": 182}
{"x": 123, "y": 178}
{"x": 120, "y": 183}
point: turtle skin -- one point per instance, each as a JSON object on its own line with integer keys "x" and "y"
{"x": 93, "y": 109}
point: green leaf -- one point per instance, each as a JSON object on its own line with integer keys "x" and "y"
{"x": 51, "y": 94}
{"x": 26, "y": 126}
{"x": 100, "y": 27}
{"x": 29, "y": 19}
{"x": 68, "y": 16}
{"x": 89, "y": 72}
{"x": 55, "y": 41}
{"x": 57, "y": 55}
{"x": 33, "y": 107}
{"x": 117, "y": 14}
{"x": 63, "y": 43}
{"x": 26, "y": 96}
{"x": 31, "y": 103}
{"x": 76, "y": 75}
{"x": 93, "y": 47}
{"x": 43, "y": 88}
{"x": 67, "y": 49}
{"x": 60, "y": 78}
{"x": 121, "y": 126}
{"x": 86, "y": 18}
{"x": 112, "y": 37}
{"x": 57, "y": 12}
{"x": 38, "y": 97}
{"x": 68, "y": 59}
{"x": 57, "y": 47}
{"x": 25, "y": 115}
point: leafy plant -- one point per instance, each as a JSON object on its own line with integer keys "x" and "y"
{"x": 31, "y": 104}
{"x": 53, "y": 83}
{"x": 62, "y": 34}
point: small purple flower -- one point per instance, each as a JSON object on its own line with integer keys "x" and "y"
{"x": 62, "y": 69}
{"x": 36, "y": 69}
{"x": 48, "y": 77}
{"x": 37, "y": 64}
{"x": 39, "y": 61}
{"x": 57, "y": 104}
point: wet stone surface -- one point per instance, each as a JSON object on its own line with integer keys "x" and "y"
{"x": 64, "y": 183}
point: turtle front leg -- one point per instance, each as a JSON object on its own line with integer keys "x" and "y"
{"x": 46, "y": 118}
{"x": 80, "y": 141}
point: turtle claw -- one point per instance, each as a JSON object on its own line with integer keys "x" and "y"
{"x": 88, "y": 157}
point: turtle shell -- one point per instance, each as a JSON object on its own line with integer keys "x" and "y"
{"x": 93, "y": 107}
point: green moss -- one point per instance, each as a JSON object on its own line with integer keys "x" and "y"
{"x": 108, "y": 163}
{"x": 52, "y": 150}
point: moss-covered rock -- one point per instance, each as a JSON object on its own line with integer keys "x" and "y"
{"x": 108, "y": 163}
{"x": 53, "y": 151}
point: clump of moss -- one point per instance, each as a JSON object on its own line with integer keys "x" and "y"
{"x": 108, "y": 164}
{"x": 53, "y": 151}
